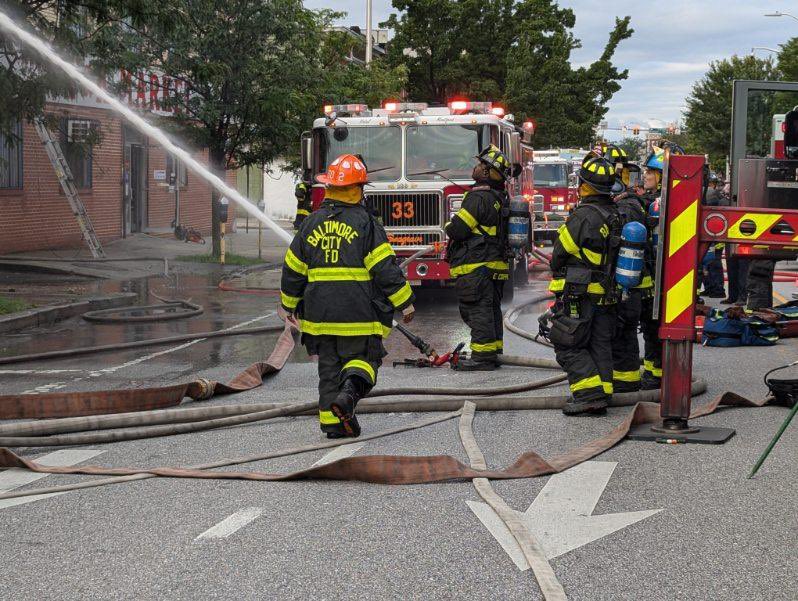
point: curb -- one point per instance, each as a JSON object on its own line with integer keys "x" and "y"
{"x": 46, "y": 316}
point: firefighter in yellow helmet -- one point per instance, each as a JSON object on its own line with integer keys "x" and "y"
{"x": 303, "y": 202}
{"x": 341, "y": 280}
{"x": 477, "y": 256}
{"x": 582, "y": 264}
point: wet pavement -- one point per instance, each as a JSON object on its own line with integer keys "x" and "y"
{"x": 717, "y": 536}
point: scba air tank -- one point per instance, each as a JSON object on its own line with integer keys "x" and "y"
{"x": 519, "y": 224}
{"x": 631, "y": 255}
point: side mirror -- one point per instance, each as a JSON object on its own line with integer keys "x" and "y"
{"x": 307, "y": 152}
{"x": 516, "y": 170}
{"x": 330, "y": 119}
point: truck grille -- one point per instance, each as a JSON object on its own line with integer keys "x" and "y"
{"x": 408, "y": 209}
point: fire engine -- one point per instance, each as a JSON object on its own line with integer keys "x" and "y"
{"x": 420, "y": 160}
{"x": 556, "y": 186}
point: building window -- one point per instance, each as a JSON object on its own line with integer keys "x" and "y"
{"x": 11, "y": 158}
{"x": 77, "y": 136}
{"x": 181, "y": 177}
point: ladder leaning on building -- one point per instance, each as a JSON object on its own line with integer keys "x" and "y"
{"x": 64, "y": 175}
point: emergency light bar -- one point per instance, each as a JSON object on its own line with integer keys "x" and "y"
{"x": 466, "y": 106}
{"x": 400, "y": 107}
{"x": 348, "y": 109}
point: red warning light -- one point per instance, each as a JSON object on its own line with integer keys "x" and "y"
{"x": 715, "y": 224}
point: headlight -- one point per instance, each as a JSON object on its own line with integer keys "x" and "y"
{"x": 454, "y": 205}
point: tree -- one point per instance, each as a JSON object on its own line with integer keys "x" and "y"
{"x": 567, "y": 104}
{"x": 517, "y": 51}
{"x": 26, "y": 79}
{"x": 788, "y": 60}
{"x": 248, "y": 71}
{"x": 634, "y": 147}
{"x": 708, "y": 116}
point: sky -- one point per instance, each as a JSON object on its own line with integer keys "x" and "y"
{"x": 673, "y": 43}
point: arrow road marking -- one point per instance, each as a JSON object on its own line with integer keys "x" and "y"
{"x": 339, "y": 453}
{"x": 561, "y": 517}
{"x": 14, "y": 477}
{"x": 231, "y": 524}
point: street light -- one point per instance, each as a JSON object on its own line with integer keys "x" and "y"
{"x": 781, "y": 14}
{"x": 369, "y": 41}
{"x": 764, "y": 48}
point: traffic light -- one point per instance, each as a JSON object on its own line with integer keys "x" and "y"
{"x": 636, "y": 131}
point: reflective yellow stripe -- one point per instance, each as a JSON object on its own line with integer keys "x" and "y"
{"x": 500, "y": 345}
{"x": 567, "y": 241}
{"x": 295, "y": 264}
{"x": 626, "y": 376}
{"x": 383, "y": 251}
{"x": 584, "y": 384}
{"x": 302, "y": 212}
{"x": 338, "y": 274}
{"x": 400, "y": 297}
{"x": 558, "y": 285}
{"x": 649, "y": 367}
{"x": 327, "y": 418}
{"x": 683, "y": 228}
{"x": 360, "y": 364}
{"x": 358, "y": 328}
{"x": 490, "y": 230}
{"x": 607, "y": 386}
{"x": 488, "y": 347}
{"x": 762, "y": 222}
{"x": 593, "y": 257}
{"x": 469, "y": 267}
{"x": 289, "y": 301}
{"x": 680, "y": 296}
{"x": 647, "y": 282}
{"x": 468, "y": 218}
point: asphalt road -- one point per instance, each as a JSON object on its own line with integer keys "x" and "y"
{"x": 717, "y": 536}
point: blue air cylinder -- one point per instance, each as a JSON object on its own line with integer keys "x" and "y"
{"x": 631, "y": 255}
{"x": 519, "y": 224}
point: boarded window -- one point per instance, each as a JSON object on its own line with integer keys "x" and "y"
{"x": 11, "y": 158}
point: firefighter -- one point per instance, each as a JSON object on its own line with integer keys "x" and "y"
{"x": 625, "y": 345}
{"x": 711, "y": 271}
{"x": 303, "y": 203}
{"x": 582, "y": 265}
{"x": 341, "y": 280}
{"x": 477, "y": 255}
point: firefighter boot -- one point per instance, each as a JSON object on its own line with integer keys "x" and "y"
{"x": 476, "y": 365}
{"x": 344, "y": 409}
{"x": 650, "y": 382}
{"x": 592, "y": 407}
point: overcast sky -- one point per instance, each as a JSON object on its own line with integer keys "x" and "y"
{"x": 673, "y": 43}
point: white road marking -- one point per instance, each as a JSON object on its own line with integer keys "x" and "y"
{"x": 38, "y": 372}
{"x": 561, "y": 515}
{"x": 14, "y": 478}
{"x": 339, "y": 453}
{"x": 231, "y": 524}
{"x": 110, "y": 370}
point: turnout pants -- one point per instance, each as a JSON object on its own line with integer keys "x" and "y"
{"x": 712, "y": 273}
{"x": 737, "y": 269}
{"x": 342, "y": 357}
{"x": 480, "y": 299}
{"x": 652, "y": 345}
{"x": 588, "y": 363}
{"x": 625, "y": 345}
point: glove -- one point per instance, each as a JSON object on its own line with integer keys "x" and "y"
{"x": 408, "y": 313}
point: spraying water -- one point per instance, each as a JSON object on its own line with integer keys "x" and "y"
{"x": 47, "y": 52}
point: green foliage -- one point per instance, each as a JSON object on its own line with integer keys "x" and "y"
{"x": 635, "y": 148}
{"x": 512, "y": 50}
{"x": 709, "y": 106}
{"x": 11, "y": 305}
{"x": 788, "y": 60}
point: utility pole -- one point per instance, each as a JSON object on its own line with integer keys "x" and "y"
{"x": 369, "y": 39}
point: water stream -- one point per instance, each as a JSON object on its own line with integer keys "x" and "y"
{"x": 135, "y": 120}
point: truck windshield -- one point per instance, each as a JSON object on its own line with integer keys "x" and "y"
{"x": 550, "y": 176}
{"x": 448, "y": 149}
{"x": 381, "y": 148}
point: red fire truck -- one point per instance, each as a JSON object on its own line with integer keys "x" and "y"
{"x": 556, "y": 186}
{"x": 420, "y": 160}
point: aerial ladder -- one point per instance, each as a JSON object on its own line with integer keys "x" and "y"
{"x": 64, "y": 175}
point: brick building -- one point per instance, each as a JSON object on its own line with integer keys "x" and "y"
{"x": 123, "y": 181}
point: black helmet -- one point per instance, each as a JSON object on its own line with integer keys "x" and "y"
{"x": 615, "y": 154}
{"x": 495, "y": 159}
{"x": 598, "y": 173}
